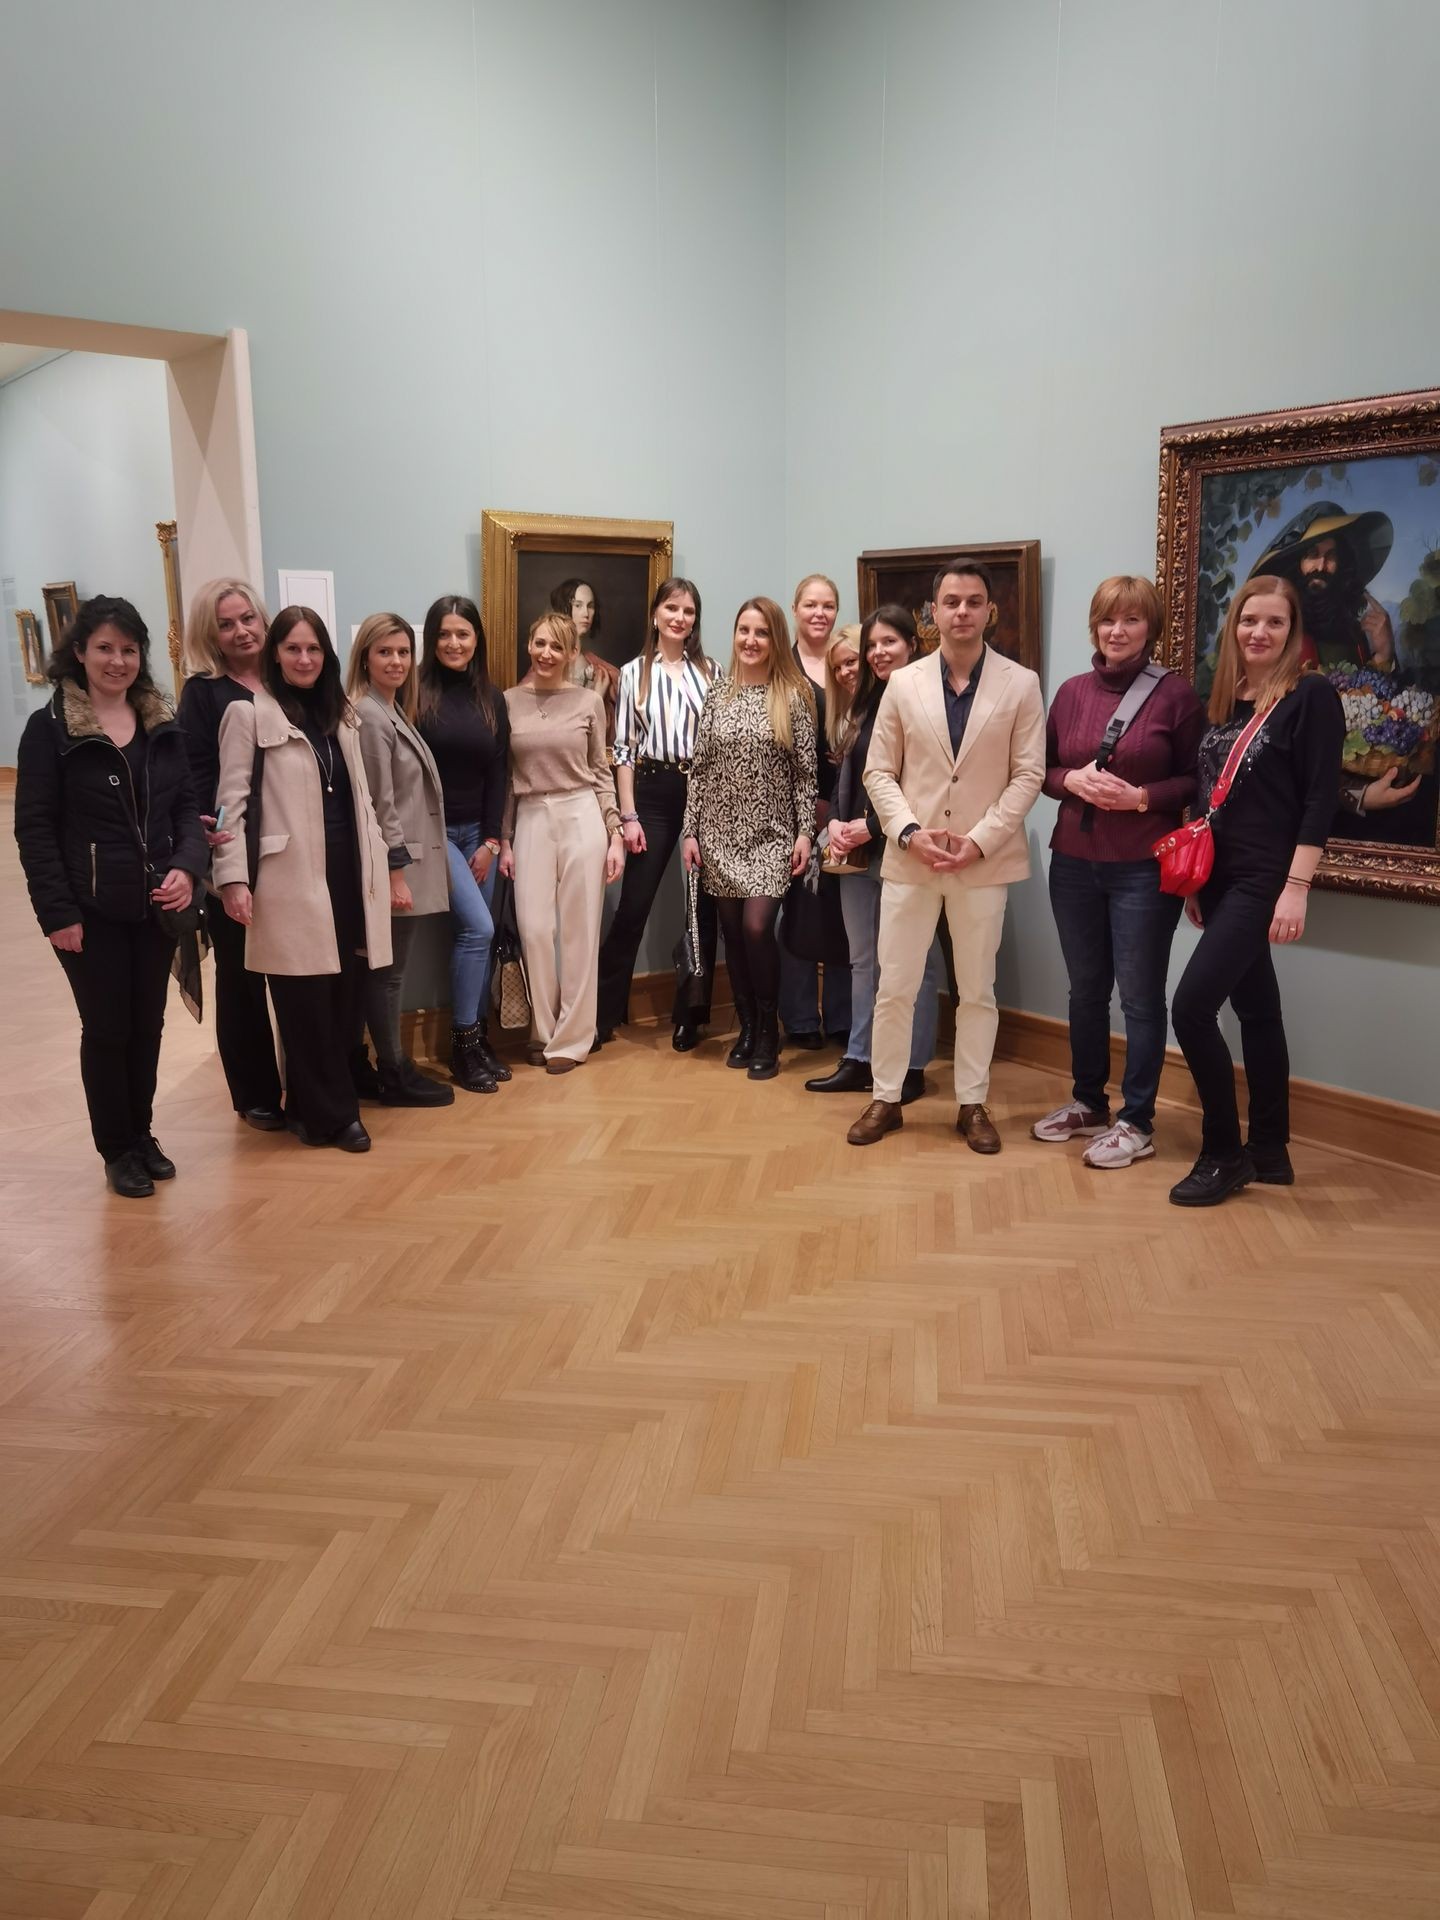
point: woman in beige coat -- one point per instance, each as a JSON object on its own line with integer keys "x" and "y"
{"x": 305, "y": 872}
{"x": 410, "y": 811}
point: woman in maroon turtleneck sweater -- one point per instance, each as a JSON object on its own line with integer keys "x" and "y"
{"x": 1115, "y": 925}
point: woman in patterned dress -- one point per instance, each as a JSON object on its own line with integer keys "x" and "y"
{"x": 750, "y": 814}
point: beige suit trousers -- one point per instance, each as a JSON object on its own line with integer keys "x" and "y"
{"x": 559, "y": 845}
{"x": 909, "y": 915}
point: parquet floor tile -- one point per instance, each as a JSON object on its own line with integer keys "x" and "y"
{"x": 619, "y": 1498}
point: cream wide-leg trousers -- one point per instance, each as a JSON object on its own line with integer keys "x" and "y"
{"x": 559, "y": 845}
{"x": 909, "y": 915}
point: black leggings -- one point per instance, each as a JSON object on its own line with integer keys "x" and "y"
{"x": 751, "y": 949}
{"x": 120, "y": 979}
{"x": 1232, "y": 962}
{"x": 660, "y": 803}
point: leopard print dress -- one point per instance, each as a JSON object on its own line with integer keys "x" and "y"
{"x": 748, "y": 799}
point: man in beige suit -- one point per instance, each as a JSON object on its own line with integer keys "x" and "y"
{"x": 956, "y": 761}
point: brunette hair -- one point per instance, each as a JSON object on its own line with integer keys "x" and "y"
{"x": 477, "y": 668}
{"x": 562, "y": 598}
{"x": 328, "y": 703}
{"x": 785, "y": 682}
{"x": 868, "y": 688}
{"x": 372, "y": 629}
{"x": 65, "y": 663}
{"x": 200, "y": 652}
{"x": 694, "y": 651}
{"x": 962, "y": 563}
{"x": 563, "y": 628}
{"x": 1229, "y": 669}
{"x": 1128, "y": 593}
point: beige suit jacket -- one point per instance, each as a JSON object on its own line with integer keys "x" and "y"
{"x": 984, "y": 792}
{"x": 292, "y": 927}
{"x": 405, "y": 792}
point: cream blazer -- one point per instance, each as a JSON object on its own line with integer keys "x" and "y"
{"x": 405, "y": 792}
{"x": 292, "y": 929}
{"x": 984, "y": 791}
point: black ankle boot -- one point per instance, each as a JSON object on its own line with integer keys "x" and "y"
{"x": 765, "y": 1061}
{"x": 126, "y": 1176}
{"x": 403, "y": 1085}
{"x": 851, "y": 1076}
{"x": 466, "y": 1066}
{"x": 1212, "y": 1180}
{"x": 744, "y": 1047}
{"x": 493, "y": 1064}
{"x": 363, "y": 1077}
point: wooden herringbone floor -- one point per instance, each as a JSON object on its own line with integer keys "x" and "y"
{"x": 618, "y": 1497}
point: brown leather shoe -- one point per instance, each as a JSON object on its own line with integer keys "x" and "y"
{"x": 879, "y": 1118}
{"x": 978, "y": 1128}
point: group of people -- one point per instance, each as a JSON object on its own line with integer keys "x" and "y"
{"x": 316, "y": 817}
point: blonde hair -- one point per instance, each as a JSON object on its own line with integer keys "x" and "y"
{"x": 837, "y": 699}
{"x": 809, "y": 581}
{"x": 372, "y": 629}
{"x": 1127, "y": 593}
{"x": 200, "y": 651}
{"x": 1230, "y": 669}
{"x": 563, "y": 628}
{"x": 784, "y": 680}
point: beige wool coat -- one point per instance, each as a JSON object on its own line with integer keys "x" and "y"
{"x": 405, "y": 792}
{"x": 983, "y": 793}
{"x": 292, "y": 928}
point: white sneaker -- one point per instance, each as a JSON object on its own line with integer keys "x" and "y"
{"x": 1072, "y": 1122}
{"x": 1117, "y": 1148}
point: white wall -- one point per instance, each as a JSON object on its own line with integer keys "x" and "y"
{"x": 84, "y": 476}
{"x": 1022, "y": 238}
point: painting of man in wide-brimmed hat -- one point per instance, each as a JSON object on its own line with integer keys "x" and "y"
{"x": 1331, "y": 557}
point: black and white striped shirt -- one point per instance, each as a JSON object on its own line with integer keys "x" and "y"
{"x": 665, "y": 730}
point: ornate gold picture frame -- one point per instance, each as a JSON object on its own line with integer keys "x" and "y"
{"x": 32, "y": 646}
{"x": 528, "y": 557}
{"x": 1344, "y": 500}
{"x": 62, "y": 603}
{"x": 167, "y": 534}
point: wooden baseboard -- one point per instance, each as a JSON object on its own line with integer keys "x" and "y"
{"x": 7, "y": 779}
{"x": 1358, "y": 1124}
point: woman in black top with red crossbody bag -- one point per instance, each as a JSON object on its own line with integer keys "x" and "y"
{"x": 1269, "y": 835}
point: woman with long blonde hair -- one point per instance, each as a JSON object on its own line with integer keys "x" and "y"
{"x": 750, "y": 816}
{"x": 224, "y": 635}
{"x": 1269, "y": 835}
{"x": 811, "y": 1006}
{"x": 405, "y": 792}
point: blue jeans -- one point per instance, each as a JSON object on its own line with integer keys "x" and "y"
{"x": 802, "y": 990}
{"x": 1115, "y": 929}
{"x": 474, "y": 926}
{"x": 860, "y": 903}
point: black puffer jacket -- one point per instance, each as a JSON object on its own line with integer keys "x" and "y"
{"x": 90, "y": 842}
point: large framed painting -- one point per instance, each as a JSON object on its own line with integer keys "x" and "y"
{"x": 607, "y": 570}
{"x": 907, "y": 575}
{"x": 1344, "y": 501}
{"x": 62, "y": 603}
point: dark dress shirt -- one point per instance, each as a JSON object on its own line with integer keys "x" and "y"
{"x": 958, "y": 705}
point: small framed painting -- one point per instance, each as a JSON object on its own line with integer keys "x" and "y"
{"x": 32, "y": 646}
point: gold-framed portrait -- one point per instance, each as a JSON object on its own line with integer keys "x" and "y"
{"x": 532, "y": 561}
{"x": 62, "y": 603}
{"x": 32, "y": 646}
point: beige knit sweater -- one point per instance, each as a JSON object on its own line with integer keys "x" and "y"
{"x": 557, "y": 745}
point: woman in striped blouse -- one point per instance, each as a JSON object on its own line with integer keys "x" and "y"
{"x": 657, "y": 712}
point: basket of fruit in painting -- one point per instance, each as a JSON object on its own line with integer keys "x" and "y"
{"x": 1386, "y": 724}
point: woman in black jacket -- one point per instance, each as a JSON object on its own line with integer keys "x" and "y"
{"x": 1269, "y": 837}
{"x": 109, "y": 832}
{"x": 224, "y": 633}
{"x": 887, "y": 640}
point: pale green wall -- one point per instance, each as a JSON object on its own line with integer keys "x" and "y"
{"x": 1022, "y": 237}
{"x": 84, "y": 476}
{"x": 487, "y": 255}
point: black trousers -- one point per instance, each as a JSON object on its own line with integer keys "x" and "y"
{"x": 660, "y": 803}
{"x": 120, "y": 978}
{"x": 1232, "y": 962}
{"x": 242, "y": 1019}
{"x": 321, "y": 1015}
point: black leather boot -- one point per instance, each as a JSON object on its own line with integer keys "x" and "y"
{"x": 126, "y": 1175}
{"x": 744, "y": 1047}
{"x": 153, "y": 1157}
{"x": 404, "y": 1085}
{"x": 466, "y": 1066}
{"x": 491, "y": 1060}
{"x": 765, "y": 1061}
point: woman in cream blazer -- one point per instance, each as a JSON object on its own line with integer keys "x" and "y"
{"x": 410, "y": 810}
{"x": 303, "y": 868}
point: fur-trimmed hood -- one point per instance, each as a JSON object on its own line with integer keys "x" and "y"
{"x": 75, "y": 711}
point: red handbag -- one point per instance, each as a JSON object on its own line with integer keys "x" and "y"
{"x": 1187, "y": 856}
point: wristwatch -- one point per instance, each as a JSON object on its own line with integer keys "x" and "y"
{"x": 902, "y": 839}
{"x": 1144, "y": 806}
